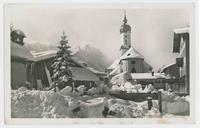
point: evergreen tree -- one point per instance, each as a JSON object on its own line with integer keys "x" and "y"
{"x": 61, "y": 65}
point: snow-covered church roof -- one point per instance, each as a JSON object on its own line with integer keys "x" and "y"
{"x": 131, "y": 53}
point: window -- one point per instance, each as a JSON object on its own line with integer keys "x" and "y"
{"x": 133, "y": 62}
{"x": 179, "y": 62}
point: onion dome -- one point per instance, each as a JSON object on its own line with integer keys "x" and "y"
{"x": 125, "y": 27}
{"x": 18, "y": 32}
{"x": 17, "y": 36}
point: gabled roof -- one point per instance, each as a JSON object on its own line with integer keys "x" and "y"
{"x": 84, "y": 64}
{"x": 83, "y": 74}
{"x": 38, "y": 56}
{"x": 114, "y": 64}
{"x": 18, "y": 51}
{"x": 147, "y": 65}
{"x": 167, "y": 66}
{"x": 131, "y": 53}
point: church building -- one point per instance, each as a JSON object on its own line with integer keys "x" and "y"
{"x": 130, "y": 60}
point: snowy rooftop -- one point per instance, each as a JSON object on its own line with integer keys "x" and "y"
{"x": 83, "y": 74}
{"x": 37, "y": 56}
{"x": 96, "y": 71}
{"x": 19, "y": 51}
{"x": 166, "y": 66}
{"x": 181, "y": 30}
{"x": 131, "y": 53}
{"x": 114, "y": 64}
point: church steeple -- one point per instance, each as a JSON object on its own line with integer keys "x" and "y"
{"x": 125, "y": 32}
{"x": 125, "y": 27}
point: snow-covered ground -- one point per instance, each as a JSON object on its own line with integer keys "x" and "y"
{"x": 49, "y": 104}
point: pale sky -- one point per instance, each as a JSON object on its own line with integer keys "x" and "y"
{"x": 152, "y": 29}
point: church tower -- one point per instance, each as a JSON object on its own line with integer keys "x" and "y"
{"x": 125, "y": 33}
{"x": 130, "y": 60}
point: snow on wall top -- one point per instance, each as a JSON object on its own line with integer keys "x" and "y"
{"x": 147, "y": 75}
{"x": 181, "y": 30}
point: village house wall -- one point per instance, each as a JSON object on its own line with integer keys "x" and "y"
{"x": 18, "y": 73}
{"x": 134, "y": 65}
{"x": 181, "y": 46}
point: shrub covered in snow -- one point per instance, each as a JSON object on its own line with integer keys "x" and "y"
{"x": 81, "y": 89}
{"x": 120, "y": 79}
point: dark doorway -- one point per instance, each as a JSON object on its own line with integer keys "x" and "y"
{"x": 133, "y": 70}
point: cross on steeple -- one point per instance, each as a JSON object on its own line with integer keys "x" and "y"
{"x": 125, "y": 19}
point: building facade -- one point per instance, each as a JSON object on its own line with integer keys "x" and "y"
{"x": 20, "y": 60}
{"x": 181, "y": 46}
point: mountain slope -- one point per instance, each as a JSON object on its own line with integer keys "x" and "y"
{"x": 93, "y": 57}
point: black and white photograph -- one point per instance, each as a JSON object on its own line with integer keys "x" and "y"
{"x": 106, "y": 62}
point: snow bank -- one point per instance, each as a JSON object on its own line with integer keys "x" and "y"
{"x": 176, "y": 107}
{"x": 131, "y": 109}
{"x": 101, "y": 89}
{"x": 26, "y": 104}
{"x": 174, "y": 104}
{"x": 38, "y": 104}
{"x": 49, "y": 104}
{"x": 92, "y": 108}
